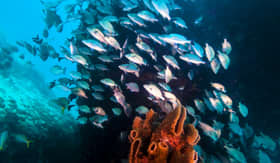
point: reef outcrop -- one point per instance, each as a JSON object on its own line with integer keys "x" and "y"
{"x": 168, "y": 141}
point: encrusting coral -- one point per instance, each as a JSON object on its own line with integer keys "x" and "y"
{"x": 166, "y": 142}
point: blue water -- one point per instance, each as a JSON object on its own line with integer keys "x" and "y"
{"x": 24, "y": 93}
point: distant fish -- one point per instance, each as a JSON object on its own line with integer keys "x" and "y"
{"x": 180, "y": 22}
{"x": 219, "y": 87}
{"x": 84, "y": 109}
{"x": 97, "y": 96}
{"x": 95, "y": 45}
{"x": 210, "y": 131}
{"x": 99, "y": 111}
{"x": 57, "y": 70}
{"x": 168, "y": 75}
{"x": 147, "y": 15}
{"x": 236, "y": 154}
{"x": 210, "y": 53}
{"x": 117, "y": 111}
{"x": 226, "y": 46}
{"x": 198, "y": 20}
{"x": 243, "y": 109}
{"x": 108, "y": 82}
{"x": 161, "y": 7}
{"x": 192, "y": 58}
{"x": 22, "y": 139}
{"x": 153, "y": 90}
{"x": 224, "y": 60}
{"x": 215, "y": 65}
{"x": 142, "y": 109}
{"x": 3, "y": 139}
{"x": 133, "y": 87}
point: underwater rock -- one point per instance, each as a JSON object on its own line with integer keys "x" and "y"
{"x": 168, "y": 141}
{"x": 26, "y": 110}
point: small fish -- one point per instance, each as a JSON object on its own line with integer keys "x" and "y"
{"x": 224, "y": 59}
{"x": 135, "y": 58}
{"x": 99, "y": 111}
{"x": 76, "y": 75}
{"x": 117, "y": 111}
{"x": 180, "y": 22}
{"x": 265, "y": 142}
{"x": 84, "y": 109}
{"x": 219, "y": 87}
{"x": 174, "y": 38}
{"x": 80, "y": 59}
{"x": 62, "y": 102}
{"x": 105, "y": 58}
{"x": 236, "y": 154}
{"x": 210, "y": 131}
{"x": 82, "y": 120}
{"x": 165, "y": 87}
{"x": 113, "y": 42}
{"x": 130, "y": 68}
{"x": 142, "y": 109}
{"x": 235, "y": 128}
{"x": 198, "y": 20}
{"x": 57, "y": 70}
{"x": 133, "y": 87}
{"x": 161, "y": 7}
{"x": 107, "y": 25}
{"x": 210, "y": 53}
{"x": 79, "y": 92}
{"x": 95, "y": 45}
{"x": 137, "y": 20}
{"x": 171, "y": 61}
{"x": 191, "y": 75}
{"x": 3, "y": 139}
{"x": 109, "y": 82}
{"x": 215, "y": 65}
{"x": 101, "y": 67}
{"x": 168, "y": 75}
{"x": 191, "y": 58}
{"x": 83, "y": 84}
{"x": 120, "y": 98}
{"x": 226, "y": 46}
{"x": 147, "y": 15}
{"x": 97, "y": 96}
{"x": 154, "y": 90}
{"x": 22, "y": 139}
{"x": 263, "y": 157}
{"x": 198, "y": 49}
{"x": 97, "y": 88}
{"x": 217, "y": 104}
{"x": 190, "y": 110}
{"x": 144, "y": 47}
{"x": 243, "y": 109}
{"x": 200, "y": 105}
{"x": 97, "y": 34}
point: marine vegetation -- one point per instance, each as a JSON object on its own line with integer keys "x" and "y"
{"x": 168, "y": 141}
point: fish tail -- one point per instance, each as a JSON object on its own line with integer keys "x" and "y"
{"x": 62, "y": 110}
{"x": 28, "y": 143}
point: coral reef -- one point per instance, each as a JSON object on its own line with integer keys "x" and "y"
{"x": 168, "y": 141}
